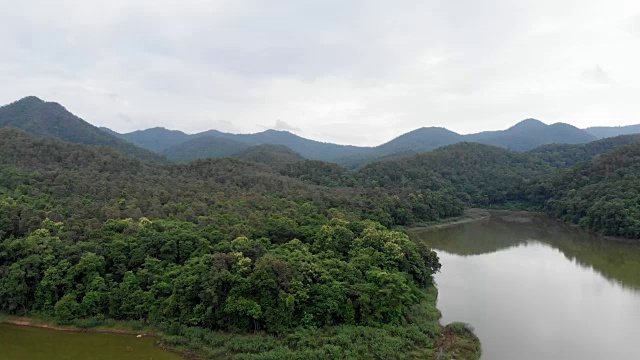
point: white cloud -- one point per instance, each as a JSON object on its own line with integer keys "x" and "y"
{"x": 352, "y": 72}
{"x": 596, "y": 75}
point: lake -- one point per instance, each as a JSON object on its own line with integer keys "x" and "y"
{"x": 28, "y": 343}
{"x": 535, "y": 288}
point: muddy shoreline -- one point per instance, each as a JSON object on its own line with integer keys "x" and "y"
{"x": 28, "y": 322}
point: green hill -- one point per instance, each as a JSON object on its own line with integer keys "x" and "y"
{"x": 477, "y": 174}
{"x": 566, "y": 155}
{"x": 53, "y": 120}
{"x": 205, "y": 147}
{"x": 529, "y": 134}
{"x": 602, "y": 194}
{"x": 155, "y": 139}
{"x": 275, "y": 155}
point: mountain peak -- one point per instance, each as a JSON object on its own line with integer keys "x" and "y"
{"x": 528, "y": 124}
{"x": 51, "y": 119}
{"x": 275, "y": 131}
{"x": 31, "y": 99}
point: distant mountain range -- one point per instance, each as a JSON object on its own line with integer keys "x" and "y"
{"x": 602, "y": 132}
{"x": 53, "y": 120}
{"x": 523, "y": 136}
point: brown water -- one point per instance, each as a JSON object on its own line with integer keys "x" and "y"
{"x": 27, "y": 343}
{"x": 534, "y": 288}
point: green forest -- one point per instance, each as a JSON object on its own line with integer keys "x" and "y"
{"x": 233, "y": 247}
{"x": 265, "y": 254}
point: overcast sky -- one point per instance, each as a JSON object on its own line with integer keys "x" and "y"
{"x": 358, "y": 72}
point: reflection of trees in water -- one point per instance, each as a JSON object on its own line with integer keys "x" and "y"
{"x": 616, "y": 261}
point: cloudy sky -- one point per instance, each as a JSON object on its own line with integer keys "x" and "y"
{"x": 358, "y": 72}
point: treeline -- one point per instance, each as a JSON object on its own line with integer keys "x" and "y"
{"x": 88, "y": 234}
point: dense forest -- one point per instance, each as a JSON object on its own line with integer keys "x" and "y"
{"x": 222, "y": 244}
{"x": 601, "y": 194}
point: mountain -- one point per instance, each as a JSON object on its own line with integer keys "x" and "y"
{"x": 155, "y": 139}
{"x": 611, "y": 131}
{"x": 601, "y": 194}
{"x": 309, "y": 149}
{"x": 523, "y": 136}
{"x": 276, "y": 155}
{"x": 53, "y": 120}
{"x": 420, "y": 140}
{"x": 169, "y": 141}
{"x": 476, "y": 173}
{"x": 205, "y": 147}
{"x": 566, "y": 155}
{"x": 530, "y": 133}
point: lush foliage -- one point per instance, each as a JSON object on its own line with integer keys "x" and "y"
{"x": 354, "y": 273}
{"x": 601, "y": 194}
{"x": 219, "y": 244}
{"x": 480, "y": 175}
{"x": 274, "y": 155}
{"x": 204, "y": 147}
{"x": 567, "y": 155}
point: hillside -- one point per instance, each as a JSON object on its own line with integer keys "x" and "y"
{"x": 88, "y": 234}
{"x": 205, "y": 147}
{"x": 601, "y": 194}
{"x": 611, "y": 131}
{"x": 52, "y": 120}
{"x": 155, "y": 139}
{"x": 274, "y": 155}
{"x": 477, "y": 174}
{"x": 420, "y": 140}
{"x": 531, "y": 133}
{"x": 566, "y": 155}
{"x": 170, "y": 141}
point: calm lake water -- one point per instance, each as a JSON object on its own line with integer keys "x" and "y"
{"x": 26, "y": 343}
{"x": 534, "y": 288}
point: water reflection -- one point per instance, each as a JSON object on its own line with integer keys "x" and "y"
{"x": 616, "y": 260}
{"x": 537, "y": 289}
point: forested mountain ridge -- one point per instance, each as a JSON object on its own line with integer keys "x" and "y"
{"x": 420, "y": 140}
{"x": 531, "y": 133}
{"x": 155, "y": 139}
{"x": 53, "y": 120}
{"x": 33, "y": 154}
{"x": 205, "y": 147}
{"x": 611, "y": 131}
{"x": 87, "y": 233}
{"x": 274, "y": 155}
{"x": 477, "y": 174}
{"x": 566, "y": 155}
{"x": 178, "y": 145}
{"x": 523, "y": 136}
{"x": 601, "y": 194}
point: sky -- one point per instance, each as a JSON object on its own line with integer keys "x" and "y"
{"x": 349, "y": 72}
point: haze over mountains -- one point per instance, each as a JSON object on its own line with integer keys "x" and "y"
{"x": 53, "y": 120}
{"x": 525, "y": 135}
